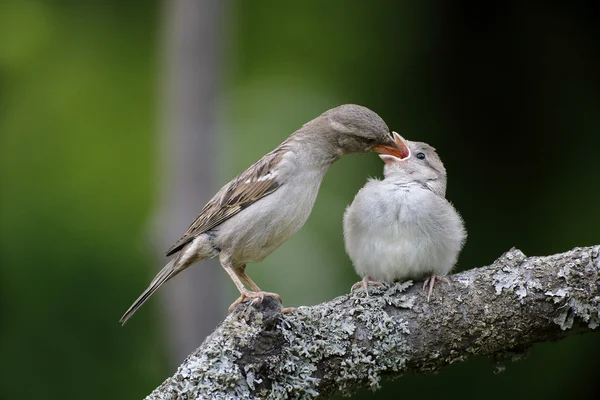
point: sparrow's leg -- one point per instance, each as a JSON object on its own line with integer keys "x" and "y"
{"x": 233, "y": 273}
{"x": 242, "y": 274}
{"x": 365, "y": 282}
{"x": 430, "y": 281}
{"x": 241, "y": 271}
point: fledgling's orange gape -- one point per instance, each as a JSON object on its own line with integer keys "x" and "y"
{"x": 263, "y": 206}
{"x": 402, "y": 227}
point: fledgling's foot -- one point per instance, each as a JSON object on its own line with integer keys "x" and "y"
{"x": 364, "y": 283}
{"x": 254, "y": 297}
{"x": 430, "y": 281}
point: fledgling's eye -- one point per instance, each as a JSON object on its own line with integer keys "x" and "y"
{"x": 421, "y": 156}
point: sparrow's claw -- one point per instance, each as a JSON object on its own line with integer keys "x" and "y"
{"x": 255, "y": 297}
{"x": 430, "y": 281}
{"x": 364, "y": 283}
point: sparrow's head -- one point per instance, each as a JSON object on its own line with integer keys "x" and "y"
{"x": 359, "y": 130}
{"x": 422, "y": 165}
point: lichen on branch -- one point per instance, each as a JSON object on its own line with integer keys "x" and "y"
{"x": 355, "y": 341}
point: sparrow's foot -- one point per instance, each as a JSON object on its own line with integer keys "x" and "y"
{"x": 431, "y": 282}
{"x": 254, "y": 297}
{"x": 364, "y": 283}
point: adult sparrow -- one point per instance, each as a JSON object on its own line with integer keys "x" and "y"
{"x": 263, "y": 206}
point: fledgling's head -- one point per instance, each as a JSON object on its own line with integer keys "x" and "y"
{"x": 422, "y": 165}
{"x": 356, "y": 129}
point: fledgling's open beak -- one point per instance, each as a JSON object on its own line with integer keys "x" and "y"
{"x": 397, "y": 150}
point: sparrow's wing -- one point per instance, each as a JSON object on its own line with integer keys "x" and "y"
{"x": 258, "y": 181}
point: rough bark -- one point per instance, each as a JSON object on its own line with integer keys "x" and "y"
{"x": 355, "y": 341}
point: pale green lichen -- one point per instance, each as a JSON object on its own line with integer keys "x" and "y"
{"x": 517, "y": 280}
{"x": 577, "y": 304}
{"x": 557, "y": 296}
{"x": 362, "y": 340}
{"x": 214, "y": 369}
{"x": 354, "y": 341}
{"x": 512, "y": 276}
{"x": 587, "y": 311}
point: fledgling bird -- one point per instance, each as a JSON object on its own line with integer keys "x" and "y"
{"x": 402, "y": 227}
{"x": 263, "y": 206}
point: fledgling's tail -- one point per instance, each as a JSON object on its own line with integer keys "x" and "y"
{"x": 168, "y": 271}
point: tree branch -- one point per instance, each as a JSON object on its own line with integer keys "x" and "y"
{"x": 354, "y": 341}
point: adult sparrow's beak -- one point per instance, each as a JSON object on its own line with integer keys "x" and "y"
{"x": 397, "y": 149}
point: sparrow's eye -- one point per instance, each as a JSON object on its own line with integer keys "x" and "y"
{"x": 420, "y": 156}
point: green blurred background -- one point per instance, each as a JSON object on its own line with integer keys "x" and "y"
{"x": 508, "y": 93}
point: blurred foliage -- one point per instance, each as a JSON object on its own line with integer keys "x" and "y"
{"x": 76, "y": 153}
{"x": 507, "y": 93}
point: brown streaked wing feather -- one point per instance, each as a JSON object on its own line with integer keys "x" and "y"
{"x": 241, "y": 192}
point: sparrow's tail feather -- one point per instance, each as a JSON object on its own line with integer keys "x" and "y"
{"x": 168, "y": 272}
